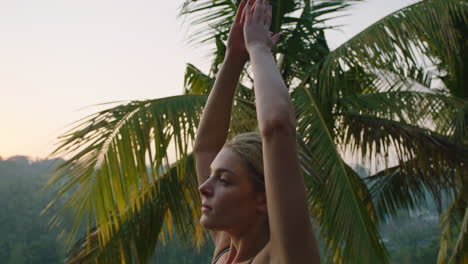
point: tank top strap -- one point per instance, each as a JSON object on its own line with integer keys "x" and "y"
{"x": 220, "y": 254}
{"x": 224, "y": 251}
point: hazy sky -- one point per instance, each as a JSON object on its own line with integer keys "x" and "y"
{"x": 59, "y": 56}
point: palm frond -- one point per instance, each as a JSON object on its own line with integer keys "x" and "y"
{"x": 449, "y": 223}
{"x": 243, "y": 118}
{"x": 196, "y": 82}
{"x": 460, "y": 251}
{"x": 459, "y": 125}
{"x": 346, "y": 224}
{"x": 304, "y": 44}
{"x": 139, "y": 233}
{"x": 214, "y": 17}
{"x": 118, "y": 153}
{"x": 302, "y": 23}
{"x": 401, "y": 188}
{"x": 419, "y": 36}
{"x": 416, "y": 108}
{"x": 209, "y": 19}
{"x": 370, "y": 135}
{"x": 219, "y": 54}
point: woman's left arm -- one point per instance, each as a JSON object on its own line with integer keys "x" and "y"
{"x": 291, "y": 232}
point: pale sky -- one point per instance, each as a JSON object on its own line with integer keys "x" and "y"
{"x": 59, "y": 56}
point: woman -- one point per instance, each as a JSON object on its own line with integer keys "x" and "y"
{"x": 253, "y": 194}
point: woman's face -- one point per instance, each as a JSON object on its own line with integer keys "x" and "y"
{"x": 230, "y": 202}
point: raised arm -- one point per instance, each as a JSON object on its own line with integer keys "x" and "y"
{"x": 214, "y": 124}
{"x": 291, "y": 234}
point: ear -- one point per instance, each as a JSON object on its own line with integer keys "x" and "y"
{"x": 261, "y": 203}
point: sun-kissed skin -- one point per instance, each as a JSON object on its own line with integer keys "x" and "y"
{"x": 271, "y": 226}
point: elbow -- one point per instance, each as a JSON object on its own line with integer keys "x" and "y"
{"x": 196, "y": 148}
{"x": 208, "y": 145}
{"x": 280, "y": 122}
{"x": 200, "y": 148}
{"x": 199, "y": 145}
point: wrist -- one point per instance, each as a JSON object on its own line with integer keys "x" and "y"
{"x": 258, "y": 49}
{"x": 235, "y": 59}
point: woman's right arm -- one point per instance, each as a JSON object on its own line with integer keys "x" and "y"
{"x": 214, "y": 124}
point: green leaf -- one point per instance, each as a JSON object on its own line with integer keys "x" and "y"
{"x": 408, "y": 107}
{"x": 422, "y": 36}
{"x": 450, "y": 221}
{"x": 372, "y": 135}
{"x": 118, "y": 153}
{"x": 355, "y": 239}
{"x": 139, "y": 232}
{"x": 406, "y": 187}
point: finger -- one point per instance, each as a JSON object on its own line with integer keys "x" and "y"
{"x": 265, "y": 9}
{"x": 240, "y": 12}
{"x": 276, "y": 38}
{"x": 254, "y": 5}
{"x": 259, "y": 11}
{"x": 268, "y": 17}
{"x": 248, "y": 11}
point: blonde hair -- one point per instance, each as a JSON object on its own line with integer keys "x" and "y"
{"x": 249, "y": 147}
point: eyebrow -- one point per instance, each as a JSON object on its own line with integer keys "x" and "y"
{"x": 220, "y": 170}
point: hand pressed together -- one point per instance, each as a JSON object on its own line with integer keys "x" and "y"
{"x": 251, "y": 29}
{"x": 235, "y": 43}
{"x": 257, "y": 21}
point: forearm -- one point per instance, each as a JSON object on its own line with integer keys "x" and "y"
{"x": 214, "y": 124}
{"x": 271, "y": 94}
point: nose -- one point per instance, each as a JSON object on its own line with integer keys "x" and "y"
{"x": 206, "y": 189}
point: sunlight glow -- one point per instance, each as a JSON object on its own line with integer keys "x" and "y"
{"x": 57, "y": 57}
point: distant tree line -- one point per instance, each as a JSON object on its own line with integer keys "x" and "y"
{"x": 25, "y": 236}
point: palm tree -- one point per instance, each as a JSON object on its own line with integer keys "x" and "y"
{"x": 133, "y": 172}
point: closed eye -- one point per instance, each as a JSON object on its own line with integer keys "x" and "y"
{"x": 217, "y": 173}
{"x": 219, "y": 179}
{"x": 223, "y": 181}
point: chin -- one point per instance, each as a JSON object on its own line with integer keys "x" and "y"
{"x": 206, "y": 223}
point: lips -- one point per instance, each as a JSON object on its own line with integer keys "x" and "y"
{"x": 205, "y": 206}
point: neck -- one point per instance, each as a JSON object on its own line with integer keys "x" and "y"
{"x": 245, "y": 245}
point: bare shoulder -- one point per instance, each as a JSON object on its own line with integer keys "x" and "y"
{"x": 263, "y": 257}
